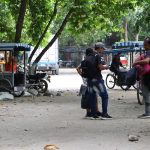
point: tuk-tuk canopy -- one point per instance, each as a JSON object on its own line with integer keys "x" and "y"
{"x": 129, "y": 44}
{"x": 14, "y": 47}
{"x": 129, "y": 50}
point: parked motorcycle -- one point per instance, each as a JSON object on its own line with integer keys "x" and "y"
{"x": 39, "y": 82}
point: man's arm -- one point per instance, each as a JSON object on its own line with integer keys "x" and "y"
{"x": 142, "y": 62}
{"x": 79, "y": 70}
{"x": 100, "y": 63}
{"x": 103, "y": 67}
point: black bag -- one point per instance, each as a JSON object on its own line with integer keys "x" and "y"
{"x": 131, "y": 77}
{"x": 85, "y": 101}
{"x": 121, "y": 78}
{"x": 89, "y": 66}
{"x": 83, "y": 89}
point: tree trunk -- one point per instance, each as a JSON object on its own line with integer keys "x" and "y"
{"x": 54, "y": 38}
{"x": 20, "y": 20}
{"x": 126, "y": 29}
{"x": 137, "y": 37}
{"x": 44, "y": 33}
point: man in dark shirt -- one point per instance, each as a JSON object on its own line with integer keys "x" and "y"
{"x": 93, "y": 102}
{"x": 116, "y": 64}
{"x": 96, "y": 83}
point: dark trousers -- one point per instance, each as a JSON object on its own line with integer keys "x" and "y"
{"x": 97, "y": 87}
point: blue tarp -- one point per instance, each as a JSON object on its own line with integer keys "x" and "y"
{"x": 123, "y": 50}
{"x": 129, "y": 44}
{"x": 14, "y": 46}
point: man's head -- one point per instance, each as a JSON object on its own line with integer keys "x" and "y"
{"x": 100, "y": 47}
{"x": 89, "y": 51}
{"x": 147, "y": 43}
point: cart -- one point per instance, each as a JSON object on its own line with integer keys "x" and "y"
{"x": 130, "y": 49}
{"x": 13, "y": 56}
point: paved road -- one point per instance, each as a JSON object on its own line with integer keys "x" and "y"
{"x": 68, "y": 79}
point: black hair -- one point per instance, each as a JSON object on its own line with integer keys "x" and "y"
{"x": 89, "y": 51}
{"x": 147, "y": 40}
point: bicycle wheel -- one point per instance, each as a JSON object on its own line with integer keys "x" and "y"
{"x": 42, "y": 87}
{"x": 139, "y": 93}
{"x": 5, "y": 85}
{"x": 110, "y": 81}
{"x": 135, "y": 85}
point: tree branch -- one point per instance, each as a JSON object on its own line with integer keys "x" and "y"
{"x": 20, "y": 20}
{"x": 44, "y": 32}
{"x": 55, "y": 37}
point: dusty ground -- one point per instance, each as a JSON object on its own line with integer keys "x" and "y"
{"x": 30, "y": 124}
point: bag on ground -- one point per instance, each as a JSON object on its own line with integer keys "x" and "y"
{"x": 84, "y": 99}
{"x": 85, "y": 102}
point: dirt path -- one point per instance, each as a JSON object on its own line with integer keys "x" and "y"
{"x": 30, "y": 124}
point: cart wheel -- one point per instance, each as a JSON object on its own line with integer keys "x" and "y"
{"x": 43, "y": 86}
{"x": 139, "y": 93}
{"x": 18, "y": 94}
{"x": 110, "y": 81}
{"x": 5, "y": 85}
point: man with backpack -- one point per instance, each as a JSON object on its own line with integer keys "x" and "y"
{"x": 91, "y": 69}
{"x": 85, "y": 101}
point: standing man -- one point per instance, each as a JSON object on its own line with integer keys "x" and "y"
{"x": 145, "y": 79}
{"x": 94, "y": 112}
{"x": 96, "y": 82}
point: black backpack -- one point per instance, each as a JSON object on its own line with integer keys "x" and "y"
{"x": 89, "y": 66}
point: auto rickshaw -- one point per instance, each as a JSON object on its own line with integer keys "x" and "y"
{"x": 12, "y": 78}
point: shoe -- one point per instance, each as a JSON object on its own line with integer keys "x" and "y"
{"x": 95, "y": 118}
{"x": 106, "y": 117}
{"x": 144, "y": 116}
{"x": 88, "y": 116}
{"x": 99, "y": 114}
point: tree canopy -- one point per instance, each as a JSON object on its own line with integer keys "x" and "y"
{"x": 34, "y": 22}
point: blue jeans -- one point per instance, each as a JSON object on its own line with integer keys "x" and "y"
{"x": 97, "y": 87}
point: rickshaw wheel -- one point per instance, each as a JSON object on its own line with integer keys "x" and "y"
{"x": 110, "y": 81}
{"x": 135, "y": 86}
{"x": 139, "y": 93}
{"x": 5, "y": 85}
{"x": 42, "y": 87}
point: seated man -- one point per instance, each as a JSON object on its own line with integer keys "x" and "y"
{"x": 116, "y": 63}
